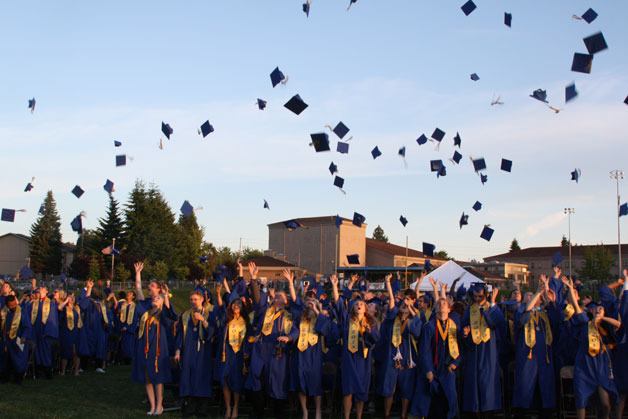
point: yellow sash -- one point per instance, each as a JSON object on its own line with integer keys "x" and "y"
{"x": 269, "y": 319}
{"x": 237, "y": 331}
{"x": 69, "y": 317}
{"x": 595, "y": 340}
{"x": 569, "y": 311}
{"x": 428, "y": 313}
{"x": 355, "y": 330}
{"x": 103, "y": 310}
{"x": 45, "y": 311}
{"x": 530, "y": 330}
{"x": 450, "y": 333}
{"x": 15, "y": 322}
{"x": 142, "y": 324}
{"x": 398, "y": 328}
{"x": 185, "y": 318}
{"x": 480, "y": 332}
{"x": 307, "y": 334}
{"x": 127, "y": 317}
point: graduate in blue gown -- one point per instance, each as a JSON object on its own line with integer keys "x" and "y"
{"x": 194, "y": 332}
{"x": 481, "y": 389}
{"x": 359, "y": 334}
{"x": 592, "y": 370}
{"x": 399, "y": 334}
{"x": 98, "y": 320}
{"x": 620, "y": 354}
{"x": 127, "y": 321}
{"x": 440, "y": 349}
{"x": 534, "y": 385}
{"x": 70, "y": 333}
{"x": 45, "y": 329}
{"x": 15, "y": 329}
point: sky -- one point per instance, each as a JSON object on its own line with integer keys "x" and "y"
{"x": 390, "y": 70}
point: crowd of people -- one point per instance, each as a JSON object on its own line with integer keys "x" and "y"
{"x": 439, "y": 354}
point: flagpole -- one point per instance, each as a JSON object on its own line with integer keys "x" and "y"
{"x": 113, "y": 257}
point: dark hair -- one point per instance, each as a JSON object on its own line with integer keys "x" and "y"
{"x": 9, "y": 298}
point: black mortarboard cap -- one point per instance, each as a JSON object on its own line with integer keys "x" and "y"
{"x": 358, "y": 219}
{"x": 483, "y": 178}
{"x": 539, "y": 94}
{"x": 375, "y": 153}
{"x": 117, "y": 143}
{"x": 595, "y": 43}
{"x": 121, "y": 160}
{"x": 508, "y": 19}
{"x": 306, "y": 9}
{"x": 31, "y": 104}
{"x": 109, "y": 186}
{"x": 479, "y": 164}
{"x": 626, "y": 100}
{"x": 166, "y": 129}
{"x": 402, "y": 151}
{"x": 464, "y": 220}
{"x": 403, "y": 220}
{"x": 477, "y": 206}
{"x": 570, "y": 92}
{"x": 339, "y": 182}
{"x": 575, "y": 175}
{"x": 77, "y": 224}
{"x": 187, "y": 209}
{"x": 77, "y": 191}
{"x": 456, "y": 157}
{"x": 341, "y": 130}
{"x": 261, "y": 104}
{"x": 422, "y": 139}
{"x": 487, "y": 233}
{"x": 342, "y": 148}
{"x": 582, "y": 63}
{"x": 589, "y": 16}
{"x": 206, "y": 129}
{"x": 442, "y": 171}
{"x": 333, "y": 168}
{"x": 353, "y": 259}
{"x": 428, "y": 249}
{"x": 8, "y": 215}
{"x": 438, "y": 135}
{"x": 320, "y": 141}
{"x": 457, "y": 140}
{"x": 475, "y": 77}
{"x": 435, "y": 165}
{"x": 42, "y": 208}
{"x": 277, "y": 77}
{"x": 266, "y": 206}
{"x": 506, "y": 165}
{"x": 296, "y": 104}
{"x": 29, "y": 187}
{"x": 468, "y": 7}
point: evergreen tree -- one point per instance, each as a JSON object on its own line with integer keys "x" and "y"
{"x": 597, "y": 264}
{"x": 46, "y": 245}
{"x": 94, "y": 268}
{"x": 112, "y": 226}
{"x": 378, "y": 234}
{"x": 442, "y": 254}
{"x": 514, "y": 245}
{"x": 190, "y": 243}
{"x": 564, "y": 242}
{"x": 88, "y": 244}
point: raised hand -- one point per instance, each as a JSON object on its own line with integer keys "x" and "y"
{"x": 387, "y": 278}
{"x": 288, "y": 275}
{"x": 139, "y": 266}
{"x": 283, "y": 339}
{"x": 334, "y": 280}
{"x": 466, "y": 330}
{"x": 494, "y": 295}
{"x": 433, "y": 282}
{"x": 89, "y": 284}
{"x": 253, "y": 270}
{"x": 198, "y": 317}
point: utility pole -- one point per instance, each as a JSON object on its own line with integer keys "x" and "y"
{"x": 618, "y": 175}
{"x": 569, "y": 211}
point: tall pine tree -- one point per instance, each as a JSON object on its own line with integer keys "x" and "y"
{"x": 111, "y": 227}
{"x": 46, "y": 245}
{"x": 378, "y": 234}
{"x": 190, "y": 243}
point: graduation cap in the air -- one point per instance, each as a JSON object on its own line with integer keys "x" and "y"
{"x": 487, "y": 233}
{"x": 402, "y": 152}
{"x": 166, "y": 129}
{"x": 306, "y": 8}
{"x": 595, "y": 43}
{"x": 339, "y": 182}
{"x": 435, "y": 165}
{"x": 109, "y": 186}
{"x": 358, "y": 219}
{"x": 333, "y": 168}
{"x": 31, "y": 104}
{"x": 29, "y": 186}
{"x": 457, "y": 140}
{"x": 338, "y": 221}
{"x": 266, "y": 206}
{"x": 508, "y": 19}
{"x": 428, "y": 249}
{"x": 582, "y": 63}
{"x": 42, "y": 208}
{"x": 351, "y": 3}
{"x": 77, "y": 191}
{"x": 292, "y": 225}
{"x": 438, "y": 135}
{"x": 477, "y": 206}
{"x": 375, "y": 153}
{"x": 626, "y": 100}
{"x": 296, "y": 104}
{"x": 342, "y": 148}
{"x": 7, "y": 215}
{"x": 340, "y": 129}
{"x": 320, "y": 141}
{"x": 353, "y": 259}
{"x": 421, "y": 140}
{"x": 464, "y": 220}
{"x": 456, "y": 157}
{"x": 121, "y": 160}
{"x": 403, "y": 220}
{"x": 589, "y": 16}
{"x": 77, "y": 224}
{"x": 479, "y": 164}
{"x": 203, "y": 259}
{"x": 206, "y": 129}
{"x": 117, "y": 143}
{"x": 468, "y": 8}
{"x": 506, "y": 165}
{"x": 187, "y": 209}
{"x": 540, "y": 94}
{"x": 475, "y": 77}
{"x": 441, "y": 172}
{"x": 575, "y": 175}
{"x": 557, "y": 259}
{"x": 483, "y": 178}
{"x": 570, "y": 92}
{"x": 261, "y": 104}
{"x": 623, "y": 209}
{"x": 277, "y": 77}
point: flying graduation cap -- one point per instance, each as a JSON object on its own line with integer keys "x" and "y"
{"x": 464, "y": 220}
{"x": 435, "y": 165}
{"x": 570, "y": 92}
{"x": 428, "y": 249}
{"x": 31, "y": 104}
{"x": 487, "y": 233}
{"x": 333, "y": 169}
{"x": 29, "y": 186}
{"x": 582, "y": 63}
{"x": 457, "y": 140}
{"x": 402, "y": 154}
{"x": 358, "y": 219}
{"x": 575, "y": 175}
{"x": 205, "y": 129}
{"x": 403, "y": 220}
{"x": 353, "y": 259}
{"x": 508, "y": 19}
{"x": 8, "y": 215}
{"x": 456, "y": 157}
{"x": 292, "y": 225}
{"x": 375, "y": 152}
{"x": 623, "y": 209}
{"x": 296, "y": 105}
{"x": 438, "y": 136}
{"x": 187, "y": 209}
{"x": 506, "y": 165}
{"x": 77, "y": 224}
{"x": 468, "y": 8}
{"x": 340, "y": 130}
{"x": 77, "y": 191}
{"x": 306, "y": 8}
{"x": 277, "y": 77}
{"x": 483, "y": 178}
{"x": 339, "y": 183}
{"x": 166, "y": 129}
{"x": 475, "y": 77}
{"x": 477, "y": 206}
{"x": 109, "y": 186}
{"x": 557, "y": 259}
{"x": 479, "y": 164}
{"x": 121, "y": 160}
{"x": 320, "y": 141}
{"x": 421, "y": 140}
{"x": 540, "y": 95}
{"x": 266, "y": 206}
{"x": 595, "y": 43}
{"x": 261, "y": 104}
{"x": 117, "y": 143}
{"x": 342, "y": 148}
{"x": 589, "y": 16}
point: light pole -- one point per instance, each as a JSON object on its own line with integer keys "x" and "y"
{"x": 569, "y": 211}
{"x": 618, "y": 175}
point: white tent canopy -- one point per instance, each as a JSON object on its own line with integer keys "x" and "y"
{"x": 447, "y": 273}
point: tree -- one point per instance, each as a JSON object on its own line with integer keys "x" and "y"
{"x": 442, "y": 254}
{"x": 597, "y": 264}
{"x": 190, "y": 245}
{"x": 122, "y": 273}
{"x": 514, "y": 245}
{"x": 94, "y": 268}
{"x": 564, "y": 242}
{"x": 46, "y": 245}
{"x": 112, "y": 226}
{"x": 379, "y": 235}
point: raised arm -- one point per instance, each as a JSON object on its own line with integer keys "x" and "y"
{"x": 139, "y": 266}
{"x": 219, "y": 294}
{"x": 573, "y": 299}
{"x": 539, "y": 292}
{"x": 289, "y": 276}
{"x": 391, "y": 294}
{"x": 334, "y": 287}
{"x": 225, "y": 285}
{"x": 417, "y": 288}
{"x": 434, "y": 288}
{"x": 253, "y": 271}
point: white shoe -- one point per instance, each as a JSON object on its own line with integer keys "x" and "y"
{"x": 100, "y": 370}
{"x": 149, "y": 413}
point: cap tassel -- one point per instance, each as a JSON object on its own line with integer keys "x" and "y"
{"x": 161, "y": 144}
{"x": 285, "y": 80}
{"x": 556, "y": 110}
{"x": 576, "y": 17}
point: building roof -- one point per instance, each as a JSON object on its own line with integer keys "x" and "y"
{"x": 393, "y": 249}
{"x": 312, "y": 220}
{"x": 269, "y": 262}
{"x": 549, "y": 251}
{"x": 18, "y": 235}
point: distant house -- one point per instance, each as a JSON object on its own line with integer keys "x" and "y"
{"x": 15, "y": 253}
{"x": 271, "y": 268}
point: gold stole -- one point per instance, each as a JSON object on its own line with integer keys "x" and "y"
{"x": 569, "y": 311}
{"x": 45, "y": 311}
{"x": 143, "y": 320}
{"x": 15, "y": 322}
{"x": 480, "y": 332}
{"x": 127, "y": 317}
{"x": 69, "y": 317}
{"x": 103, "y": 310}
{"x": 236, "y": 330}
{"x": 269, "y": 319}
{"x": 307, "y": 334}
{"x": 185, "y": 317}
{"x": 530, "y": 330}
{"x": 449, "y": 334}
{"x": 79, "y": 323}
{"x": 595, "y": 340}
{"x": 398, "y": 328}
{"x": 355, "y": 329}
{"x": 428, "y": 313}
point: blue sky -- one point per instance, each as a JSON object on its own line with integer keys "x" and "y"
{"x": 390, "y": 70}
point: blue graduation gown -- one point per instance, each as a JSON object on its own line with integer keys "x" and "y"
{"x": 44, "y": 334}
{"x": 390, "y": 378}
{"x": 435, "y": 358}
{"x": 9, "y": 349}
{"x": 96, "y": 328}
{"x": 620, "y": 354}
{"x": 230, "y": 372}
{"x": 533, "y": 370}
{"x": 69, "y": 339}
{"x": 355, "y": 369}
{"x": 481, "y": 390}
{"x": 590, "y": 372}
{"x": 147, "y": 367}
{"x": 196, "y": 357}
{"x": 310, "y": 362}
{"x": 128, "y": 332}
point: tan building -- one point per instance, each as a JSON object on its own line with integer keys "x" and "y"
{"x": 515, "y": 274}
{"x": 271, "y": 268}
{"x": 15, "y": 252}
{"x": 379, "y": 253}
